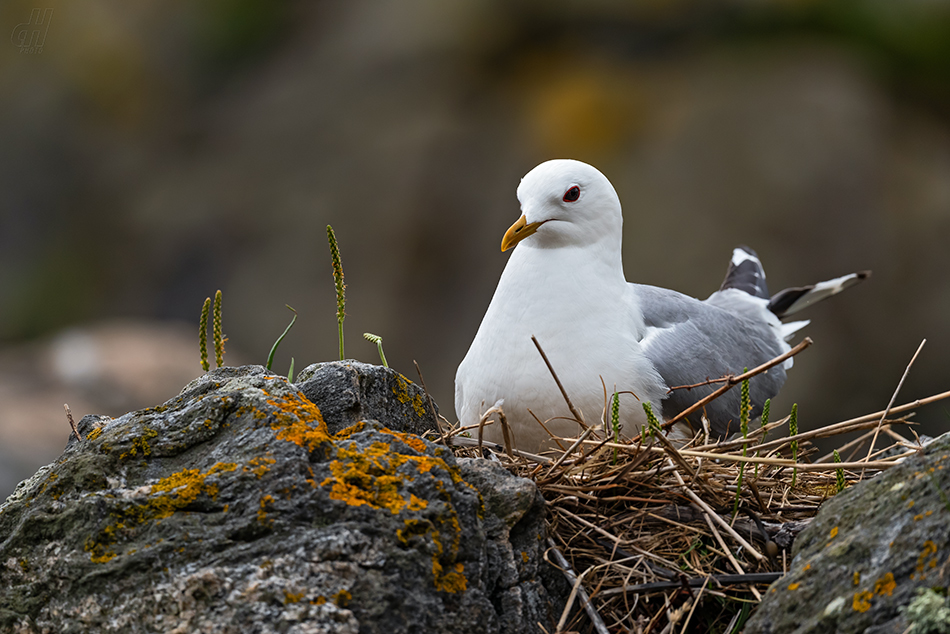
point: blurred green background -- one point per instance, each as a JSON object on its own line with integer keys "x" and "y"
{"x": 153, "y": 152}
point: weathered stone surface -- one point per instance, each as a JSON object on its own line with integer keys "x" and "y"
{"x": 350, "y": 391}
{"x": 232, "y": 508}
{"x": 863, "y": 557}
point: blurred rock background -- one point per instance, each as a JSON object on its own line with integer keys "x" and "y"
{"x": 153, "y": 152}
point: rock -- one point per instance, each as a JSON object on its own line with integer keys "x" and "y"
{"x": 860, "y": 563}
{"x": 233, "y": 508}
{"x": 350, "y": 391}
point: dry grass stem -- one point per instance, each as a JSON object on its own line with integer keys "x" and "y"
{"x": 72, "y": 423}
{"x": 890, "y": 403}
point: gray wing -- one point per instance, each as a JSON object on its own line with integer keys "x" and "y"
{"x": 690, "y": 341}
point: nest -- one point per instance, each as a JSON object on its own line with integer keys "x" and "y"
{"x": 656, "y": 536}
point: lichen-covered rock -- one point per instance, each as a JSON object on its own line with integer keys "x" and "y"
{"x": 232, "y": 508}
{"x": 350, "y": 391}
{"x": 866, "y": 553}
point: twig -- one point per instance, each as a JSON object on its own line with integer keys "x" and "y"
{"x": 577, "y": 589}
{"x": 577, "y": 443}
{"x": 694, "y": 582}
{"x": 435, "y": 417}
{"x": 857, "y": 442}
{"x": 887, "y": 409}
{"x": 544, "y": 427}
{"x": 833, "y": 429}
{"x": 72, "y": 423}
{"x": 462, "y": 441}
{"x": 732, "y": 381}
{"x": 715, "y": 516}
{"x": 693, "y": 607}
{"x": 577, "y": 414}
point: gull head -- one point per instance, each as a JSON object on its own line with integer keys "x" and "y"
{"x": 565, "y": 203}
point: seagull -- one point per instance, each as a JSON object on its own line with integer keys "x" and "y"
{"x": 564, "y": 284}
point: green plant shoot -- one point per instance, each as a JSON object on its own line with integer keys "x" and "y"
{"x": 273, "y": 349}
{"x": 745, "y": 407}
{"x": 219, "y": 338}
{"x": 290, "y": 373}
{"x": 338, "y": 281}
{"x": 615, "y": 420}
{"x": 839, "y": 473}
{"x": 379, "y": 345}
{"x": 653, "y": 425}
{"x": 203, "y": 334}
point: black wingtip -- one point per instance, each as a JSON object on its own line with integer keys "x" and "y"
{"x": 745, "y": 273}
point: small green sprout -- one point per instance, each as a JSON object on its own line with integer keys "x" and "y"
{"x": 338, "y": 281}
{"x": 653, "y": 425}
{"x": 839, "y": 473}
{"x": 379, "y": 345}
{"x": 219, "y": 338}
{"x": 290, "y": 373}
{"x": 203, "y": 334}
{"x": 745, "y": 406}
{"x": 615, "y": 420}
{"x": 273, "y": 350}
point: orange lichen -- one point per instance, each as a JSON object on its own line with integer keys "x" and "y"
{"x": 299, "y": 421}
{"x": 856, "y": 578}
{"x": 401, "y": 390}
{"x": 187, "y": 485}
{"x": 373, "y": 477}
{"x": 342, "y": 598}
{"x": 833, "y": 533}
{"x": 320, "y": 600}
{"x": 259, "y": 466}
{"x": 409, "y": 439}
{"x": 452, "y": 581}
{"x": 177, "y": 491}
{"x": 346, "y": 432}
{"x": 929, "y": 552}
{"x": 885, "y": 585}
{"x": 140, "y": 444}
{"x": 794, "y": 586}
{"x": 862, "y": 601}
{"x": 95, "y": 433}
{"x": 262, "y": 511}
{"x": 293, "y": 597}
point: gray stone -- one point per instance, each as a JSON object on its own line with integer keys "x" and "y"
{"x": 232, "y": 508}
{"x": 350, "y": 391}
{"x": 862, "y": 559}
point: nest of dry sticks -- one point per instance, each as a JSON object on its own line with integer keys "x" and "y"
{"x": 656, "y": 538}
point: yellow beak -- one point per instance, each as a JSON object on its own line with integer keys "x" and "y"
{"x": 518, "y": 232}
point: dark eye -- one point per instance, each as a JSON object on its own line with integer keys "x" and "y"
{"x": 572, "y": 194}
